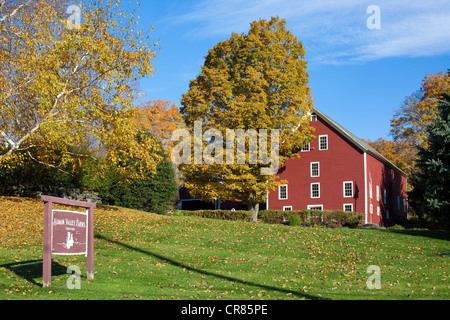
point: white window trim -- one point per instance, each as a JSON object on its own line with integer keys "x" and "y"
{"x": 315, "y": 205}
{"x": 311, "y": 169}
{"x": 311, "y": 190}
{"x": 287, "y": 207}
{"x": 365, "y": 189}
{"x": 313, "y": 118}
{"x": 378, "y": 193}
{"x": 347, "y": 204}
{"x": 378, "y": 211}
{"x": 343, "y": 186}
{"x": 279, "y": 192}
{"x": 371, "y": 208}
{"x": 325, "y": 135}
{"x": 309, "y": 147}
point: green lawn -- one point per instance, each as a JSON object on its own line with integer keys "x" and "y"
{"x": 145, "y": 256}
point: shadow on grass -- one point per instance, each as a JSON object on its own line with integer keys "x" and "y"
{"x": 208, "y": 273}
{"x": 32, "y": 269}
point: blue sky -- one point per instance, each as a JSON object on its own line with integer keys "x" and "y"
{"x": 358, "y": 76}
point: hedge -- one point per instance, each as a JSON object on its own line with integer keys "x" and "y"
{"x": 331, "y": 218}
{"x": 241, "y": 215}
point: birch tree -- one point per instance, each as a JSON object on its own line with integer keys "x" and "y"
{"x": 68, "y": 80}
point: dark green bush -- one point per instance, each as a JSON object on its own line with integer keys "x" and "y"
{"x": 327, "y": 218}
{"x": 273, "y": 216}
{"x": 280, "y": 216}
{"x": 345, "y": 218}
{"x": 294, "y": 220}
{"x": 178, "y": 214}
{"x": 240, "y": 215}
{"x": 154, "y": 193}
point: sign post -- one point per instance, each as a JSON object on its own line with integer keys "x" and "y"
{"x": 67, "y": 233}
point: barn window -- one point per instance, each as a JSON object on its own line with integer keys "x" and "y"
{"x": 315, "y": 190}
{"x": 323, "y": 142}
{"x": 283, "y": 192}
{"x": 287, "y": 208}
{"x": 384, "y": 196}
{"x": 306, "y": 147}
{"x": 313, "y": 118}
{"x": 398, "y": 202}
{"x": 315, "y": 207}
{"x": 348, "y": 189}
{"x": 348, "y": 207}
{"x": 378, "y": 211}
{"x": 378, "y": 193}
{"x": 315, "y": 171}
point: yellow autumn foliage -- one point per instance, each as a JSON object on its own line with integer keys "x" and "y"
{"x": 68, "y": 92}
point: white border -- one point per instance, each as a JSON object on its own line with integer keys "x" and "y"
{"x": 311, "y": 169}
{"x": 343, "y": 186}
{"x": 279, "y": 192}
{"x": 311, "y": 190}
{"x": 87, "y": 233}
{"x": 347, "y": 204}
{"x": 324, "y": 135}
{"x": 365, "y": 187}
{"x": 309, "y": 147}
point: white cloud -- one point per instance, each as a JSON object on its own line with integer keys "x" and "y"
{"x": 332, "y": 31}
{"x": 424, "y": 34}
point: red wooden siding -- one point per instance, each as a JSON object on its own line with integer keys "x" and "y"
{"x": 341, "y": 162}
{"x": 392, "y": 191}
{"x": 347, "y": 159}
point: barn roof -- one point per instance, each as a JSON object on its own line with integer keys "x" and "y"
{"x": 360, "y": 143}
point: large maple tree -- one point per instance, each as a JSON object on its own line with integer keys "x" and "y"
{"x": 255, "y": 81}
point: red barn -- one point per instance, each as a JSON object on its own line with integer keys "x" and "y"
{"x": 338, "y": 171}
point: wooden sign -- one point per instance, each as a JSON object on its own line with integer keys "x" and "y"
{"x": 67, "y": 233}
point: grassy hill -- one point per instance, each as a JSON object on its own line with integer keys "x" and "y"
{"x": 145, "y": 256}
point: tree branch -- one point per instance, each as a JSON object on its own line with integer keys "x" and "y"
{"x": 47, "y": 164}
{"x": 80, "y": 155}
{"x": 13, "y": 13}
